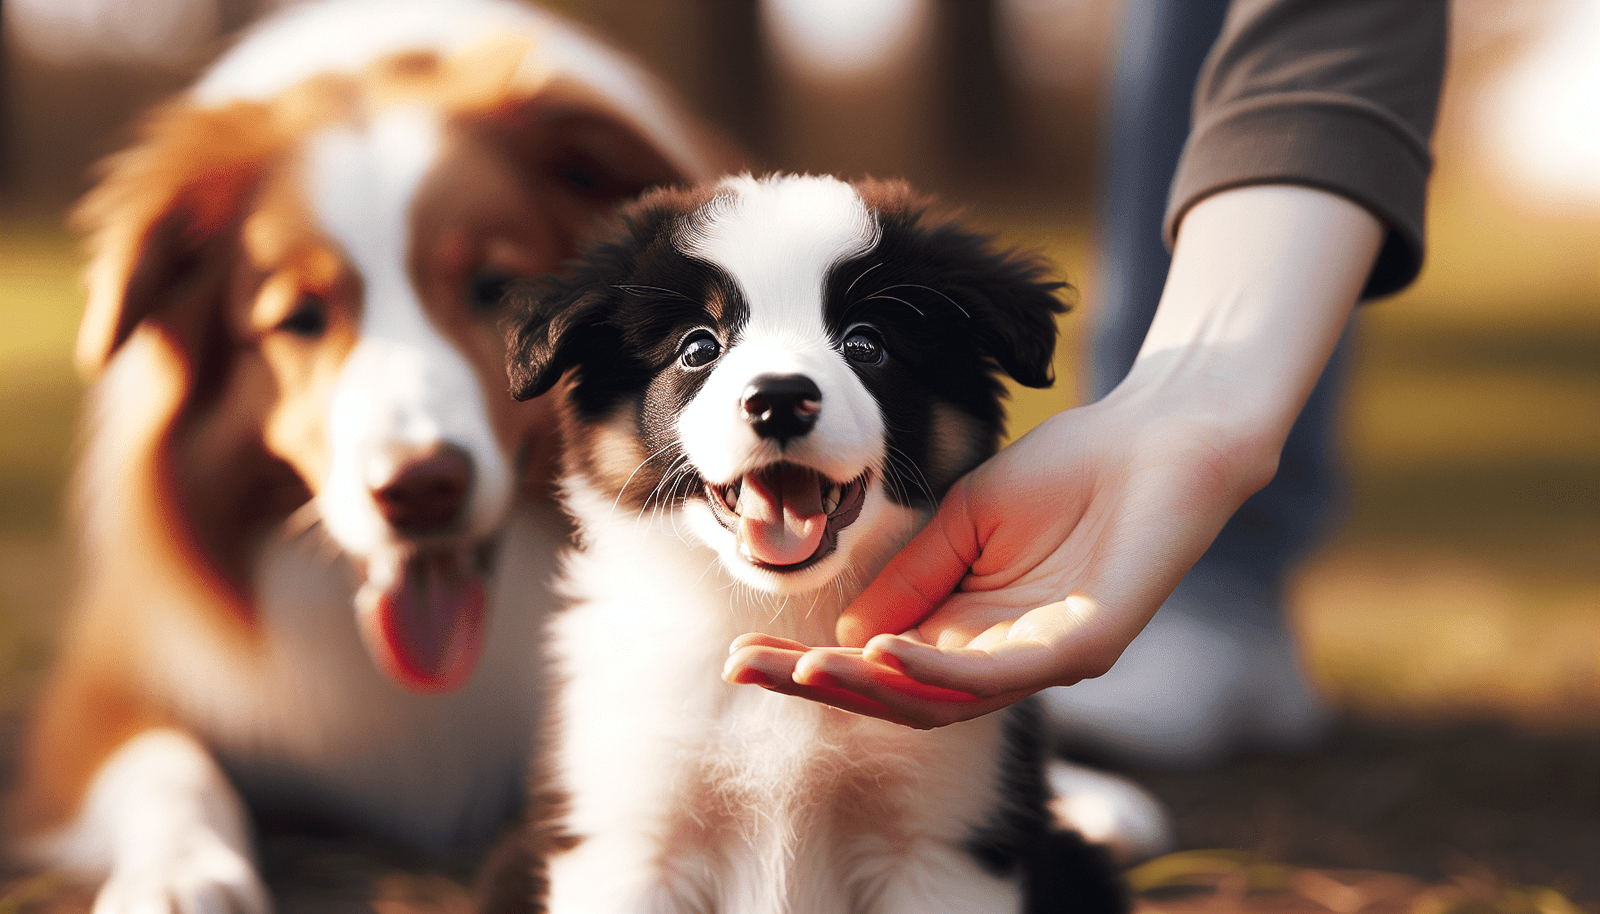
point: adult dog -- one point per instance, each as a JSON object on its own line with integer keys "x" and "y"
{"x": 771, "y": 382}
{"x": 301, "y": 466}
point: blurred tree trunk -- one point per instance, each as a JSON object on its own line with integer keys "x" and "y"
{"x": 976, "y": 110}
{"x": 7, "y": 128}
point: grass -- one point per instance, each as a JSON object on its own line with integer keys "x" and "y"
{"x": 40, "y": 303}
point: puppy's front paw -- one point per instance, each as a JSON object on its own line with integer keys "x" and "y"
{"x": 204, "y": 877}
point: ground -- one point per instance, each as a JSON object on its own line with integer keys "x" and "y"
{"x": 1379, "y": 820}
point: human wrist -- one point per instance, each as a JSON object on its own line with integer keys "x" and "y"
{"x": 1262, "y": 283}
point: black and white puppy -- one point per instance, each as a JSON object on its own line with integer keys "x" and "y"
{"x": 772, "y": 382}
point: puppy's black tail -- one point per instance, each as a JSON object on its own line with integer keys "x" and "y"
{"x": 1064, "y": 874}
{"x": 1061, "y": 872}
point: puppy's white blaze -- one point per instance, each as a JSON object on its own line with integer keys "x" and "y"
{"x": 403, "y": 386}
{"x": 815, "y": 222}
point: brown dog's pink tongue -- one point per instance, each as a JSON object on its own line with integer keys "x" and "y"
{"x": 426, "y": 628}
{"x": 781, "y": 521}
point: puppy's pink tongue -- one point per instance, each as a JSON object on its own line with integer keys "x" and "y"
{"x": 781, "y": 521}
{"x": 426, "y": 628}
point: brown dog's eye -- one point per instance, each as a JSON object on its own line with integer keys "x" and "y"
{"x": 486, "y": 289}
{"x": 309, "y": 319}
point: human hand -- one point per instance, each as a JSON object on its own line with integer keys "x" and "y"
{"x": 1058, "y": 549}
{"x": 1061, "y": 547}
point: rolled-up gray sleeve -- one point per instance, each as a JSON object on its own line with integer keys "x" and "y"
{"x": 1339, "y": 95}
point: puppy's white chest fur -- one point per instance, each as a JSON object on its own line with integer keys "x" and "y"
{"x": 693, "y": 794}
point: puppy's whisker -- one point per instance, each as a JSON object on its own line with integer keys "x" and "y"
{"x": 909, "y": 469}
{"x": 665, "y": 483}
{"x": 915, "y": 285}
{"x": 892, "y": 298}
{"x": 633, "y": 289}
{"x": 615, "y": 502}
{"x": 863, "y": 275}
{"x": 778, "y": 613}
{"x": 710, "y": 566}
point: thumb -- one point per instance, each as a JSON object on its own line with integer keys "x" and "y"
{"x": 919, "y": 577}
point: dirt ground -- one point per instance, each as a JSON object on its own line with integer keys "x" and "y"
{"x": 1490, "y": 813}
{"x": 1382, "y": 819}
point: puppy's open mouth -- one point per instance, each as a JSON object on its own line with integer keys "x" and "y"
{"x": 787, "y": 517}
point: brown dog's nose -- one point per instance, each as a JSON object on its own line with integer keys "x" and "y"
{"x": 426, "y": 493}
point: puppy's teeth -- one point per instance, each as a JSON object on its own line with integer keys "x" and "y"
{"x": 830, "y": 500}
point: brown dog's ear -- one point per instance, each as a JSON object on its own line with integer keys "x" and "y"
{"x": 156, "y": 217}
{"x": 591, "y": 125}
{"x": 562, "y": 322}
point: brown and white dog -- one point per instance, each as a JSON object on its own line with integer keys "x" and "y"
{"x": 301, "y": 462}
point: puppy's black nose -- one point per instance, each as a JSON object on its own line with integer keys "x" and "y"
{"x": 426, "y": 493}
{"x": 782, "y": 406}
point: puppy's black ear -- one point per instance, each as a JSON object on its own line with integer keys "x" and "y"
{"x": 552, "y": 324}
{"x": 1012, "y": 303}
{"x": 560, "y": 323}
{"x": 1007, "y": 298}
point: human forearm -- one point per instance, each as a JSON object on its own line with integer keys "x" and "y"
{"x": 1262, "y": 283}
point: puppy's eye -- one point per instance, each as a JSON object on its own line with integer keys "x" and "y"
{"x": 309, "y": 319}
{"x": 486, "y": 289}
{"x": 699, "y": 349}
{"x": 863, "y": 345}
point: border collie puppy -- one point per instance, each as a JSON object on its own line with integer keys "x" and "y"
{"x": 772, "y": 381}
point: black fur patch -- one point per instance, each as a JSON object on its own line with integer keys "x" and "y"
{"x": 616, "y": 323}
{"x": 1061, "y": 872}
{"x": 954, "y": 312}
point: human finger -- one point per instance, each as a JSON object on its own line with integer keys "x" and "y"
{"x": 918, "y": 704}
{"x": 919, "y": 577}
{"x": 1055, "y": 644}
{"x": 773, "y": 668}
{"x": 761, "y": 639}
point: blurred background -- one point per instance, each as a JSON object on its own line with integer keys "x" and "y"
{"x": 1462, "y": 593}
